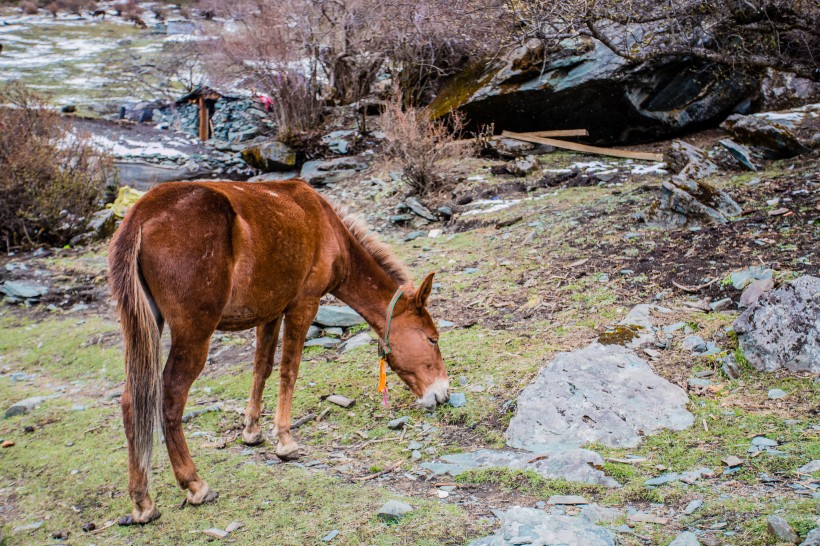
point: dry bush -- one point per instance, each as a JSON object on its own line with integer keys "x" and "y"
{"x": 50, "y": 178}
{"x": 419, "y": 144}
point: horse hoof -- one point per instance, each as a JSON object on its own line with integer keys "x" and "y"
{"x": 139, "y": 518}
{"x": 288, "y": 453}
{"x": 205, "y": 494}
{"x": 252, "y": 438}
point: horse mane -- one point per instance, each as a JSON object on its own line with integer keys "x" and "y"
{"x": 380, "y": 252}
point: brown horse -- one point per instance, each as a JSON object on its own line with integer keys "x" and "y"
{"x": 202, "y": 256}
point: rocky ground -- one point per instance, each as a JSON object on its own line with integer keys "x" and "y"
{"x": 540, "y": 272}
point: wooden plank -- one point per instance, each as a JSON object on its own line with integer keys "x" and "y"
{"x": 574, "y": 146}
{"x": 558, "y": 133}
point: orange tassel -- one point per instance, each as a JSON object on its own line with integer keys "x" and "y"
{"x": 382, "y": 375}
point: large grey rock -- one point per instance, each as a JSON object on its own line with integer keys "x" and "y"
{"x": 813, "y": 538}
{"x": 533, "y": 89}
{"x": 341, "y": 316}
{"x": 774, "y": 141}
{"x": 754, "y": 291}
{"x": 575, "y": 465}
{"x": 143, "y": 175}
{"x": 530, "y": 526}
{"x": 393, "y": 510}
{"x": 686, "y": 538}
{"x": 359, "y": 340}
{"x": 23, "y": 290}
{"x": 26, "y": 405}
{"x": 322, "y": 172}
{"x": 782, "y": 329}
{"x": 810, "y": 467}
{"x": 689, "y": 161}
{"x": 780, "y": 529}
{"x": 270, "y": 156}
{"x": 600, "y": 394}
{"x": 688, "y": 202}
{"x": 595, "y": 513}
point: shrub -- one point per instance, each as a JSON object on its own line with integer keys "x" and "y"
{"x": 51, "y": 179}
{"x": 419, "y": 144}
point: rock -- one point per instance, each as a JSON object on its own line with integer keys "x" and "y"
{"x": 642, "y": 517}
{"x": 329, "y": 171}
{"x": 694, "y": 344}
{"x": 689, "y": 161}
{"x": 692, "y": 506}
{"x": 323, "y": 342}
{"x": 685, "y": 202}
{"x": 274, "y": 176}
{"x": 143, "y": 175}
{"x": 699, "y": 383}
{"x": 393, "y": 510}
{"x": 810, "y": 467}
{"x": 193, "y": 414}
{"x": 511, "y": 148}
{"x": 28, "y": 528}
{"x": 720, "y": 305}
{"x": 571, "y": 500}
{"x": 359, "y": 340}
{"x": 782, "y": 329}
{"x": 270, "y": 156}
{"x": 420, "y": 210}
{"x": 530, "y": 526}
{"x": 774, "y": 140}
{"x": 813, "y": 538}
{"x": 340, "y": 400}
{"x": 413, "y": 235}
{"x": 333, "y": 315}
{"x": 731, "y": 461}
{"x": 741, "y": 153}
{"x": 102, "y": 225}
{"x": 575, "y": 465}
{"x": 532, "y": 88}
{"x": 330, "y": 536}
{"x": 313, "y": 332}
{"x": 686, "y": 538}
{"x": 596, "y": 394}
{"x": 742, "y": 279}
{"x": 776, "y": 394}
{"x": 522, "y": 166}
{"x": 26, "y": 405}
{"x": 730, "y": 367}
{"x": 457, "y": 399}
{"x": 216, "y": 533}
{"x": 781, "y": 530}
{"x": 234, "y": 526}
{"x": 16, "y": 291}
{"x": 754, "y": 291}
{"x": 396, "y": 424}
{"x": 595, "y": 513}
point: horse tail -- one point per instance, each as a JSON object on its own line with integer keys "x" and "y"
{"x": 141, "y": 332}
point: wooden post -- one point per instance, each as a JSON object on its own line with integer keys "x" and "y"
{"x": 204, "y": 121}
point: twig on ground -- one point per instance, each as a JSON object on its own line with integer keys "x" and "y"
{"x": 387, "y": 470}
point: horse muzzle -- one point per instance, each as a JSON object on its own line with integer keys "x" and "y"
{"x": 437, "y": 393}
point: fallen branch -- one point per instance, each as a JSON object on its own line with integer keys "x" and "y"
{"x": 302, "y": 420}
{"x": 626, "y": 461}
{"x": 387, "y": 470}
{"x": 693, "y": 289}
{"x": 584, "y": 148}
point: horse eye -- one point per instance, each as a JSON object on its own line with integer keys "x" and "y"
{"x": 432, "y": 340}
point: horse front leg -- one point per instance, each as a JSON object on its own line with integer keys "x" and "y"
{"x": 267, "y": 337}
{"x": 297, "y": 322}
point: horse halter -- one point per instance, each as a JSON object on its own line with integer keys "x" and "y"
{"x": 384, "y": 346}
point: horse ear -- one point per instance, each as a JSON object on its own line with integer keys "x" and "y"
{"x": 423, "y": 293}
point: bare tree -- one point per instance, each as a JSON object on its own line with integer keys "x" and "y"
{"x": 781, "y": 34}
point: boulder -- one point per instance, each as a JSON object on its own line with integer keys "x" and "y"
{"x": 689, "y": 161}
{"x": 780, "y": 529}
{"x": 143, "y": 175}
{"x": 533, "y": 88}
{"x": 686, "y": 538}
{"x": 773, "y": 140}
{"x": 340, "y": 316}
{"x": 270, "y": 156}
{"x": 602, "y": 394}
{"x": 782, "y": 328}
{"x": 521, "y": 525}
{"x": 686, "y": 202}
{"x": 17, "y": 291}
{"x": 511, "y": 148}
{"x": 322, "y": 172}
{"x": 25, "y": 406}
{"x": 393, "y": 510}
{"x": 813, "y": 538}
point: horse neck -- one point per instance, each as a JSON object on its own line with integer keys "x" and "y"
{"x": 366, "y": 288}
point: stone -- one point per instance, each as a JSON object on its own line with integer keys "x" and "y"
{"x": 575, "y": 465}
{"x": 754, "y": 291}
{"x": 330, "y": 536}
{"x": 699, "y": 383}
{"x": 23, "y": 290}
{"x": 274, "y": 176}
{"x": 731, "y": 461}
{"x": 730, "y": 367}
{"x": 413, "y": 235}
{"x": 101, "y": 225}
{"x": 522, "y": 166}
{"x": 142, "y": 175}
{"x": 396, "y": 424}
{"x": 741, "y": 153}
{"x": 720, "y": 305}
{"x": 521, "y": 525}
{"x": 782, "y": 329}
{"x": 457, "y": 399}
{"x": 689, "y": 161}
{"x": 323, "y": 342}
{"x": 270, "y": 156}
{"x": 340, "y": 400}
{"x": 780, "y": 529}
{"x": 596, "y": 394}
{"x": 686, "y": 538}
{"x": 810, "y": 467}
{"x": 776, "y": 394}
{"x": 216, "y": 533}
{"x": 419, "y": 210}
{"x": 813, "y": 538}
{"x": 26, "y": 405}
{"x": 511, "y": 148}
{"x": 687, "y": 202}
{"x": 692, "y": 506}
{"x": 234, "y": 526}
{"x": 743, "y": 278}
{"x": 359, "y": 340}
{"x": 595, "y": 513}
{"x": 340, "y": 316}
{"x": 28, "y": 528}
{"x": 531, "y": 88}
{"x": 694, "y": 344}
{"x": 393, "y": 510}
{"x": 330, "y": 171}
{"x": 571, "y": 500}
{"x": 774, "y": 140}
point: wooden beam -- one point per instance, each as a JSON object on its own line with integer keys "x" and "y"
{"x": 558, "y": 133}
{"x": 574, "y": 146}
{"x": 204, "y": 120}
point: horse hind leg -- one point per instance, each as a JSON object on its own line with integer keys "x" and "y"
{"x": 185, "y": 362}
{"x": 267, "y": 337}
